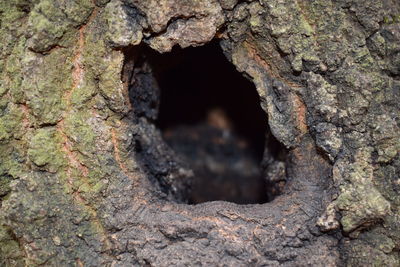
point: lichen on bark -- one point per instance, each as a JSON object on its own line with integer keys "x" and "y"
{"x": 73, "y": 186}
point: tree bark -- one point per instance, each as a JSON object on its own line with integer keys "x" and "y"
{"x": 87, "y": 180}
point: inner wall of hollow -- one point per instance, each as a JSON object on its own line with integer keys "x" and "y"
{"x": 160, "y": 65}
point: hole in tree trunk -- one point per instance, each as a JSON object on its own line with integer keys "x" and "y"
{"x": 209, "y": 114}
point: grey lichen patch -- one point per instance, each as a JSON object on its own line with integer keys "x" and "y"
{"x": 380, "y": 241}
{"x": 325, "y": 114}
{"x": 386, "y": 134}
{"x": 329, "y": 138}
{"x": 110, "y": 84}
{"x": 377, "y": 44}
{"x": 185, "y": 33}
{"x": 321, "y": 97}
{"x": 257, "y": 17}
{"x": 187, "y": 24}
{"x": 387, "y": 181}
{"x": 369, "y": 15}
{"x": 160, "y": 13}
{"x": 328, "y": 220}
{"x": 228, "y": 4}
{"x": 391, "y": 35}
{"x": 124, "y": 24}
{"x": 295, "y": 39}
{"x": 45, "y": 151}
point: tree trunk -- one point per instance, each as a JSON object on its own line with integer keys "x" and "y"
{"x": 88, "y": 178}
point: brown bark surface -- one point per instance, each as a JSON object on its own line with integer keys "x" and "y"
{"x": 90, "y": 175}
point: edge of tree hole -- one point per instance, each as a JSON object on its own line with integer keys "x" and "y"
{"x": 203, "y": 134}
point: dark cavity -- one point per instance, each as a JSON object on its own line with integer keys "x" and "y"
{"x": 210, "y": 115}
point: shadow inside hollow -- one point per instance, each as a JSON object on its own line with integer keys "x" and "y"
{"x": 211, "y": 117}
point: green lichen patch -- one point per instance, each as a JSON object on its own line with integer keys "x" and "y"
{"x": 11, "y": 253}
{"x": 88, "y": 138}
{"x": 47, "y": 80}
{"x": 51, "y": 22}
{"x": 79, "y": 130}
{"x": 12, "y": 79}
{"x": 46, "y": 26}
{"x": 360, "y": 202}
{"x": 324, "y": 31}
{"x": 83, "y": 95}
{"x": 361, "y": 205}
{"x": 45, "y": 150}
{"x": 78, "y": 11}
{"x": 12, "y": 24}
{"x": 4, "y": 185}
{"x": 12, "y": 166}
{"x": 104, "y": 66}
{"x": 62, "y": 229}
{"x": 11, "y": 117}
{"x": 13, "y": 159}
{"x": 11, "y": 12}
{"x": 363, "y": 253}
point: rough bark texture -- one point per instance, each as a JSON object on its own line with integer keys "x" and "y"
{"x": 75, "y": 189}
